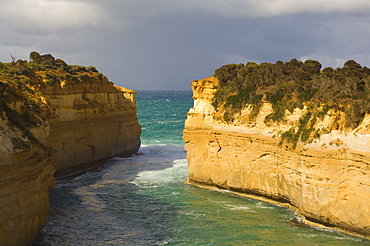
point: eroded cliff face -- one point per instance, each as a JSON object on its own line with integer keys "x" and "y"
{"x": 26, "y": 166}
{"x": 326, "y": 180}
{"x": 56, "y": 120}
{"x": 90, "y": 123}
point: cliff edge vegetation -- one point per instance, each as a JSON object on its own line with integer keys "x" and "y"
{"x": 291, "y": 85}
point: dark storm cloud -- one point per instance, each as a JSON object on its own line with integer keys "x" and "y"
{"x": 164, "y": 44}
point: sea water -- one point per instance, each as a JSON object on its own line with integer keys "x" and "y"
{"x": 143, "y": 200}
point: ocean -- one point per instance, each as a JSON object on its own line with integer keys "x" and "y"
{"x": 143, "y": 199}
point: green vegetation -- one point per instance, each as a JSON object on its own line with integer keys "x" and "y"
{"x": 291, "y": 85}
{"x": 45, "y": 68}
{"x": 21, "y": 83}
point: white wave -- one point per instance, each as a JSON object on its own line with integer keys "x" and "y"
{"x": 162, "y": 148}
{"x": 162, "y": 177}
{"x": 191, "y": 213}
{"x": 264, "y": 205}
{"x": 240, "y": 208}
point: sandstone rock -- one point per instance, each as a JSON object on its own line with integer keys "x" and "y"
{"x": 326, "y": 181}
{"x": 91, "y": 123}
{"x": 26, "y": 172}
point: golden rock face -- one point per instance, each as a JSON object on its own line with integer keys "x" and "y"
{"x": 326, "y": 181}
{"x": 26, "y": 174}
{"x": 90, "y": 124}
{"x": 58, "y": 129}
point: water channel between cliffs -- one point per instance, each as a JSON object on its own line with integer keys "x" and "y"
{"x": 143, "y": 200}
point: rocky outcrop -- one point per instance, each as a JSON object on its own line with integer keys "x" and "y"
{"x": 326, "y": 180}
{"x": 56, "y": 121}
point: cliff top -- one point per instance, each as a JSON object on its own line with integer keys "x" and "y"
{"x": 46, "y": 69}
{"x": 23, "y": 85}
{"x": 55, "y": 76}
{"x": 294, "y": 84}
{"x": 343, "y": 93}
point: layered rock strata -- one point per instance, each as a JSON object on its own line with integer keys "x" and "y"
{"x": 57, "y": 121}
{"x": 90, "y": 123}
{"x": 26, "y": 167}
{"x": 326, "y": 181}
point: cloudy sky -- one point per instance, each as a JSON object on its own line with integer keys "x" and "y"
{"x": 164, "y": 44}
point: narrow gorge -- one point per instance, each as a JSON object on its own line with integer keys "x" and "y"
{"x": 291, "y": 133}
{"x": 57, "y": 121}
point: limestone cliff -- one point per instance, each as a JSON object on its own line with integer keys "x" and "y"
{"x": 324, "y": 177}
{"x": 26, "y": 164}
{"x": 56, "y": 120}
{"x": 90, "y": 122}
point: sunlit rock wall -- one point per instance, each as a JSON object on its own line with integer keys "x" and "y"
{"x": 91, "y": 123}
{"x": 26, "y": 171}
{"x": 326, "y": 181}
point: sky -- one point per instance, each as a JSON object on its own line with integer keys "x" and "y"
{"x": 165, "y": 44}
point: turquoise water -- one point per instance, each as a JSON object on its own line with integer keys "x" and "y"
{"x": 142, "y": 200}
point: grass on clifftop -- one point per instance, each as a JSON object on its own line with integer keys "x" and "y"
{"x": 291, "y": 85}
{"x": 45, "y": 69}
{"x": 21, "y": 81}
